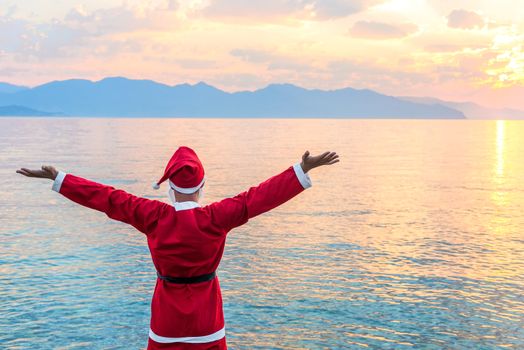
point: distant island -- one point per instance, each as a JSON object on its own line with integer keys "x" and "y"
{"x": 122, "y": 97}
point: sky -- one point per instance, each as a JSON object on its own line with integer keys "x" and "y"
{"x": 461, "y": 50}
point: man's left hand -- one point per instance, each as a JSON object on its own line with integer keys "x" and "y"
{"x": 47, "y": 172}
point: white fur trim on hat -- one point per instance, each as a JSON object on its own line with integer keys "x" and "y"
{"x": 186, "y": 190}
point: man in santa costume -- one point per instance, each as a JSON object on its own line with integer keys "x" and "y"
{"x": 186, "y": 240}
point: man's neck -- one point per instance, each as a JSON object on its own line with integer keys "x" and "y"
{"x": 182, "y": 197}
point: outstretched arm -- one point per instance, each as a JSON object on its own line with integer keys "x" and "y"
{"x": 232, "y": 212}
{"x": 117, "y": 204}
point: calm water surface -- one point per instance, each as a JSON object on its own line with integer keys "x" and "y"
{"x": 413, "y": 241}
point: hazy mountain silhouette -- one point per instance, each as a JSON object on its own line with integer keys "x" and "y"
{"x": 471, "y": 110}
{"x": 145, "y": 98}
{"x": 20, "y": 111}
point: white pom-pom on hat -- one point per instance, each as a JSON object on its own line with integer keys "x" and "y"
{"x": 156, "y": 186}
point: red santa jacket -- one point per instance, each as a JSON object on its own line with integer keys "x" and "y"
{"x": 185, "y": 240}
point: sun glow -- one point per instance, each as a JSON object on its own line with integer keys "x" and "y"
{"x": 507, "y": 67}
{"x": 501, "y": 138}
{"x": 499, "y": 194}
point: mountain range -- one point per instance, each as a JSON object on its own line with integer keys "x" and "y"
{"x": 122, "y": 97}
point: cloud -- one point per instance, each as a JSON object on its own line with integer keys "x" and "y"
{"x": 443, "y": 48}
{"x": 254, "y": 9}
{"x": 460, "y": 68}
{"x": 12, "y": 71}
{"x": 110, "y": 48}
{"x": 123, "y": 19}
{"x": 172, "y": 5}
{"x": 328, "y": 9}
{"x": 380, "y": 30}
{"x": 186, "y": 63}
{"x": 263, "y": 10}
{"x": 272, "y": 62}
{"x": 106, "y": 21}
{"x": 464, "y": 19}
{"x": 445, "y": 42}
{"x": 253, "y": 56}
{"x": 194, "y": 63}
{"x": 450, "y": 48}
{"x": 239, "y": 81}
{"x": 12, "y": 34}
{"x": 42, "y": 40}
{"x": 81, "y": 32}
{"x": 373, "y": 75}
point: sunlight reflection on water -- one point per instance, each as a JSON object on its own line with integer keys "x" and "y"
{"x": 413, "y": 240}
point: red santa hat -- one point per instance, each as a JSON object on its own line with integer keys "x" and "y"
{"x": 184, "y": 172}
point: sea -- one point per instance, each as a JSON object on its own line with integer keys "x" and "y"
{"x": 414, "y": 240}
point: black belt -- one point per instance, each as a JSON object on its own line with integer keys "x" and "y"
{"x": 186, "y": 280}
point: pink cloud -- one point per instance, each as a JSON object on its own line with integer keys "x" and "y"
{"x": 271, "y": 61}
{"x": 327, "y": 9}
{"x": 122, "y": 19}
{"x": 256, "y": 9}
{"x": 380, "y": 30}
{"x": 263, "y": 9}
{"x": 464, "y": 19}
{"x": 443, "y": 48}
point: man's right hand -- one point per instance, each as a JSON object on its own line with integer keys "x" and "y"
{"x": 309, "y": 162}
